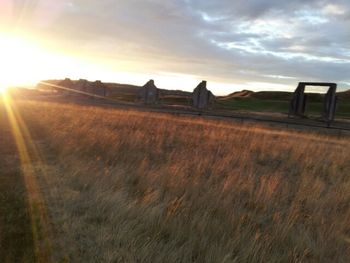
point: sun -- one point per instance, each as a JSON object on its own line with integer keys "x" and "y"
{"x": 24, "y": 61}
{"x": 3, "y": 88}
{"x": 21, "y": 62}
{"x": 10, "y": 51}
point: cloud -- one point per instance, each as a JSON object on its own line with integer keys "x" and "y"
{"x": 230, "y": 41}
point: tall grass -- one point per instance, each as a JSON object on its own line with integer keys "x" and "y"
{"x": 126, "y": 186}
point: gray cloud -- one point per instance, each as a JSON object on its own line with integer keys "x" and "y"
{"x": 232, "y": 41}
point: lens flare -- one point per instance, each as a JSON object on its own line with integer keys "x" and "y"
{"x": 23, "y": 62}
{"x": 30, "y": 157}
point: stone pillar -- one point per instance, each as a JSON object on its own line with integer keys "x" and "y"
{"x": 201, "y": 96}
{"x": 330, "y": 103}
{"x": 298, "y": 102}
{"x": 150, "y": 93}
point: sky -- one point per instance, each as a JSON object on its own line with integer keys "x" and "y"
{"x": 234, "y": 45}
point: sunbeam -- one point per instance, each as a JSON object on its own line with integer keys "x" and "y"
{"x": 38, "y": 213}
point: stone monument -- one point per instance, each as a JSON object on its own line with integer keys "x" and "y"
{"x": 201, "y": 96}
{"x": 150, "y": 93}
{"x": 298, "y": 103}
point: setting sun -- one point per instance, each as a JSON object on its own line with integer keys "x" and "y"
{"x": 19, "y": 62}
{"x": 3, "y": 88}
{"x": 10, "y": 51}
{"x": 25, "y": 62}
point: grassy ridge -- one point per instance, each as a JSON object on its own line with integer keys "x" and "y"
{"x": 128, "y": 186}
{"x": 280, "y": 101}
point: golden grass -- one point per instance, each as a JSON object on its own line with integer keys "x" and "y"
{"x": 126, "y": 186}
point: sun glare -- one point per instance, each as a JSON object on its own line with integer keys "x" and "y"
{"x": 3, "y": 88}
{"x": 17, "y": 61}
{"x": 24, "y": 62}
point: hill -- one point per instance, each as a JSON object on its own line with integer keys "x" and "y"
{"x": 344, "y": 95}
{"x": 281, "y": 95}
{"x": 237, "y": 94}
{"x": 131, "y": 92}
{"x": 278, "y": 101}
{"x": 267, "y": 101}
{"x": 128, "y": 92}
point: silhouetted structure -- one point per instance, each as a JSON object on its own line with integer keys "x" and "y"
{"x": 150, "y": 93}
{"x": 201, "y": 96}
{"x": 67, "y": 85}
{"x": 298, "y": 103}
{"x": 81, "y": 85}
{"x": 330, "y": 103}
{"x": 97, "y": 88}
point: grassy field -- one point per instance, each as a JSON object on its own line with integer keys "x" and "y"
{"x": 16, "y": 241}
{"x": 258, "y": 104}
{"x": 127, "y": 186}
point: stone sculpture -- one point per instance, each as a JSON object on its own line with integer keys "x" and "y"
{"x": 150, "y": 93}
{"x": 201, "y": 96}
{"x": 298, "y": 103}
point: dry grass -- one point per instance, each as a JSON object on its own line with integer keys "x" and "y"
{"x": 16, "y": 242}
{"x": 125, "y": 186}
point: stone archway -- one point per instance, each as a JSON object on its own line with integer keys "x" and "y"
{"x": 300, "y": 99}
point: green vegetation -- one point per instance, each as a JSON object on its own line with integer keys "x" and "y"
{"x": 343, "y": 109}
{"x": 253, "y": 104}
{"x": 257, "y": 104}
